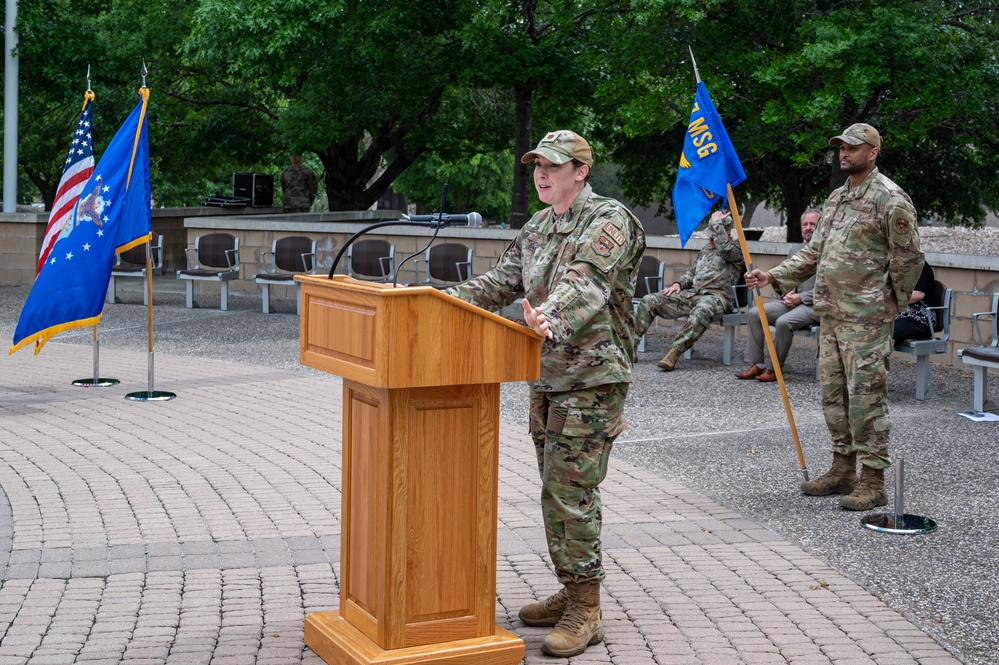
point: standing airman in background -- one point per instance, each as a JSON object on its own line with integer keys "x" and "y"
{"x": 866, "y": 258}
{"x": 299, "y": 186}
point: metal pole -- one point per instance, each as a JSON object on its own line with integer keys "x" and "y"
{"x": 97, "y": 355}
{"x": 899, "y": 501}
{"x": 10, "y": 70}
{"x": 97, "y": 381}
{"x": 898, "y": 522}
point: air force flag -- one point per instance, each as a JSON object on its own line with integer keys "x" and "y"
{"x": 112, "y": 214}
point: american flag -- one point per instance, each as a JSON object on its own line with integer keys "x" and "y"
{"x": 77, "y": 170}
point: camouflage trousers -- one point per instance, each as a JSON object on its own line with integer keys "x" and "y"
{"x": 699, "y": 308}
{"x": 573, "y": 435}
{"x": 853, "y": 367}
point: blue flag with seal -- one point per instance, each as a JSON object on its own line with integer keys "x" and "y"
{"x": 112, "y": 214}
{"x": 707, "y": 164}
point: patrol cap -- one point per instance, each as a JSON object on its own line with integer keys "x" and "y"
{"x": 856, "y": 134}
{"x": 561, "y": 146}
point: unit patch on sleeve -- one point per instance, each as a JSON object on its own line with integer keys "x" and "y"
{"x": 602, "y": 246}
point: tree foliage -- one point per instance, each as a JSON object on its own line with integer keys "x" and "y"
{"x": 788, "y": 74}
{"x": 416, "y": 92}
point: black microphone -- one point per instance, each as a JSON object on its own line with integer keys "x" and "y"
{"x": 472, "y": 219}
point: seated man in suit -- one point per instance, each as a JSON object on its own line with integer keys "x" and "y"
{"x": 791, "y": 313}
{"x": 702, "y": 294}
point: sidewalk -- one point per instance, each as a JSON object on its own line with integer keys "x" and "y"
{"x": 204, "y": 529}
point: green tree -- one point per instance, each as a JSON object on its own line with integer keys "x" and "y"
{"x": 194, "y": 147}
{"x": 480, "y": 183}
{"x": 788, "y": 74}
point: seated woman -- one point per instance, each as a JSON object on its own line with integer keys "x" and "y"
{"x": 917, "y": 322}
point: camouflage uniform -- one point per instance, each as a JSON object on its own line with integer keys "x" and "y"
{"x": 866, "y": 257}
{"x": 706, "y": 290}
{"x": 298, "y": 188}
{"x": 580, "y": 267}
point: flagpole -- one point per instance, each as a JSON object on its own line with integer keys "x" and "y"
{"x": 697, "y": 74}
{"x": 96, "y": 381}
{"x": 766, "y": 330}
{"x": 150, "y": 395}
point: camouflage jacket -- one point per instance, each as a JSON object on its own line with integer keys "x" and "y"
{"x": 865, "y": 253}
{"x": 807, "y": 288}
{"x": 580, "y": 269}
{"x": 715, "y": 271}
{"x": 298, "y": 189}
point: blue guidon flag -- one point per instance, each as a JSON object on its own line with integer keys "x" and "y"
{"x": 707, "y": 164}
{"x": 112, "y": 214}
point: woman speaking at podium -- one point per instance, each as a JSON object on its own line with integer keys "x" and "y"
{"x": 574, "y": 264}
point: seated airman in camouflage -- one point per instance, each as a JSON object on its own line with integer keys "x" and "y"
{"x": 702, "y": 294}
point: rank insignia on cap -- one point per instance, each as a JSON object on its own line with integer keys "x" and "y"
{"x": 603, "y": 246}
{"x": 902, "y": 225}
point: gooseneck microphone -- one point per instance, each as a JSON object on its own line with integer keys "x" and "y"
{"x": 436, "y": 221}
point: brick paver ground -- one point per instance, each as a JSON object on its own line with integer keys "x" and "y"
{"x": 204, "y": 529}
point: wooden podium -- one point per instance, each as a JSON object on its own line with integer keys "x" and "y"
{"x": 421, "y": 382}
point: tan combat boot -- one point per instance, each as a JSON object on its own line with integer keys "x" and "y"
{"x": 840, "y": 479}
{"x": 547, "y": 612}
{"x": 580, "y": 625}
{"x": 870, "y": 491}
{"x": 669, "y": 361}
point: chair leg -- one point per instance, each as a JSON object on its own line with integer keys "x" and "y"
{"x": 111, "y": 291}
{"x": 266, "y": 292}
{"x": 923, "y": 391}
{"x": 729, "y": 343}
{"x": 225, "y": 296}
{"x": 981, "y": 387}
{"x": 298, "y": 298}
{"x": 145, "y": 293}
{"x": 190, "y": 293}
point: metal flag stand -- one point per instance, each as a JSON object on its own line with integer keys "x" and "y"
{"x": 898, "y": 521}
{"x": 96, "y": 381}
{"x": 150, "y": 395}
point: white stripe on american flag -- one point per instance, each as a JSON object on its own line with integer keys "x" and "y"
{"x": 78, "y": 171}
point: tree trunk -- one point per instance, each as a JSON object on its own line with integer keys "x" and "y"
{"x": 798, "y": 187}
{"x": 747, "y": 216}
{"x": 520, "y": 199}
{"x": 837, "y": 176}
{"x": 352, "y": 184}
{"x": 47, "y": 188}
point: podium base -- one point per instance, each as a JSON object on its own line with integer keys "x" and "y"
{"x": 336, "y": 641}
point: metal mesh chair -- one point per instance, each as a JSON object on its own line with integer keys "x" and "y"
{"x": 289, "y": 256}
{"x": 371, "y": 258}
{"x": 132, "y": 263}
{"x": 214, "y": 258}
{"x": 445, "y": 264}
